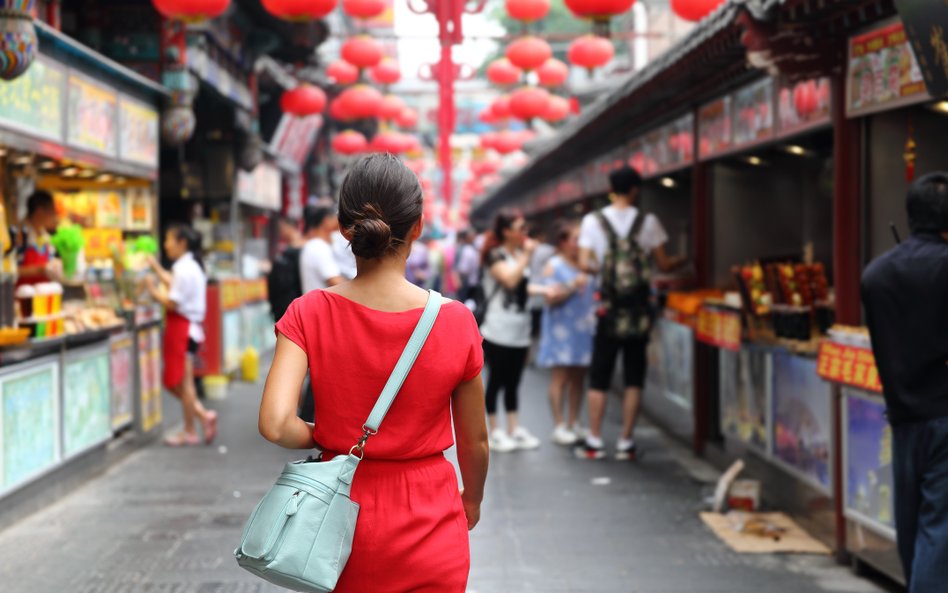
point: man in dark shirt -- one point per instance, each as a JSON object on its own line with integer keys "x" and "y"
{"x": 905, "y": 293}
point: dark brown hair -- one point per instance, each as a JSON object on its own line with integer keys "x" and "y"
{"x": 562, "y": 229}
{"x": 495, "y": 237}
{"x": 379, "y": 202}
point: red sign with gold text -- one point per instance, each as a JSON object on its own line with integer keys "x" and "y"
{"x": 719, "y": 328}
{"x": 848, "y": 365}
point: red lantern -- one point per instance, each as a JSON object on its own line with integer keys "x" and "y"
{"x": 337, "y": 111}
{"x": 362, "y": 51}
{"x": 506, "y": 142}
{"x": 529, "y": 102}
{"x": 191, "y": 11}
{"x": 553, "y": 73}
{"x": 557, "y": 109}
{"x": 590, "y": 52}
{"x": 349, "y": 142}
{"x": 487, "y": 116}
{"x": 391, "y": 107}
{"x": 805, "y": 98}
{"x": 501, "y": 107}
{"x": 694, "y": 10}
{"x": 489, "y": 139}
{"x": 359, "y": 102}
{"x": 529, "y": 52}
{"x": 407, "y": 119}
{"x": 304, "y": 100}
{"x": 342, "y": 72}
{"x": 598, "y": 10}
{"x": 386, "y": 72}
{"x": 528, "y": 10}
{"x": 503, "y": 73}
{"x": 299, "y": 10}
{"x": 364, "y": 9}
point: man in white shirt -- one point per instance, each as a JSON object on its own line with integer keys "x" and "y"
{"x": 596, "y": 244}
{"x": 318, "y": 265}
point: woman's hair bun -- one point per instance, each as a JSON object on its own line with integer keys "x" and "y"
{"x": 371, "y": 236}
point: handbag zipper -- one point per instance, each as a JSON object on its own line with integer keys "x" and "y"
{"x": 291, "y": 507}
{"x": 304, "y": 481}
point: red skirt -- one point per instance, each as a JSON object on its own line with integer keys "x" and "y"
{"x": 411, "y": 535}
{"x": 177, "y": 329}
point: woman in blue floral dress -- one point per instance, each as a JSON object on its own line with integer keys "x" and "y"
{"x": 567, "y": 331}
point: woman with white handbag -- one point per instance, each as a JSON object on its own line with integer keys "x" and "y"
{"x": 411, "y": 532}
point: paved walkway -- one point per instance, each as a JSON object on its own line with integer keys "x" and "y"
{"x": 166, "y": 521}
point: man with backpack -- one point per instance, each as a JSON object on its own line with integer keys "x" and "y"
{"x": 283, "y": 283}
{"x": 617, "y": 243}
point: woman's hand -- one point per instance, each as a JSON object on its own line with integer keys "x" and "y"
{"x": 472, "y": 510}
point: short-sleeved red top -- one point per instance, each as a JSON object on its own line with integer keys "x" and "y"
{"x": 352, "y": 350}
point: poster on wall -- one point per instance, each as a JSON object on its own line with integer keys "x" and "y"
{"x": 35, "y": 101}
{"x": 753, "y": 116}
{"x": 138, "y": 132}
{"x": 714, "y": 128}
{"x": 671, "y": 363}
{"x": 29, "y": 416}
{"x": 868, "y": 460}
{"x": 123, "y": 380}
{"x": 926, "y": 23}
{"x": 882, "y": 72}
{"x": 92, "y": 116}
{"x": 803, "y": 105}
{"x": 802, "y": 418}
{"x": 745, "y": 390}
{"x": 87, "y": 418}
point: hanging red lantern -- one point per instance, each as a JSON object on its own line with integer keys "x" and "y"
{"x": 553, "y": 73}
{"x": 364, "y": 9}
{"x": 299, "y": 10}
{"x": 529, "y": 53}
{"x": 805, "y": 98}
{"x": 527, "y": 10}
{"x": 502, "y": 72}
{"x": 342, "y": 72}
{"x": 360, "y": 101}
{"x": 487, "y": 116}
{"x": 304, "y": 100}
{"x": 407, "y": 119}
{"x": 529, "y": 102}
{"x": 386, "y": 72}
{"x": 506, "y": 142}
{"x": 362, "y": 51}
{"x": 590, "y": 52}
{"x": 501, "y": 107}
{"x": 191, "y": 11}
{"x": 557, "y": 109}
{"x": 598, "y": 10}
{"x": 337, "y": 111}
{"x": 489, "y": 139}
{"x": 694, "y": 10}
{"x": 387, "y": 142}
{"x": 349, "y": 142}
{"x": 391, "y": 107}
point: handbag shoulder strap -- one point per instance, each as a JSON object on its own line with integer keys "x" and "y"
{"x": 404, "y": 365}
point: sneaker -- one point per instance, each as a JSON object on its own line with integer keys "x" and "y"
{"x": 564, "y": 436}
{"x": 581, "y": 432}
{"x": 586, "y": 451}
{"x": 626, "y": 451}
{"x": 524, "y": 440}
{"x": 501, "y": 442}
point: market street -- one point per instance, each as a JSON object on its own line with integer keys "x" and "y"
{"x": 167, "y": 520}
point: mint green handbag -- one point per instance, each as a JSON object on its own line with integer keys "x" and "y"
{"x": 300, "y": 534}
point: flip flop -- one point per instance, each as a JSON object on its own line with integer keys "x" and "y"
{"x": 182, "y": 439}
{"x": 210, "y": 427}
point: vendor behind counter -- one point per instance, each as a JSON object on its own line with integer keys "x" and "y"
{"x": 36, "y": 257}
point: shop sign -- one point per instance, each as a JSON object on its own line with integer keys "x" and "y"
{"x": 101, "y": 243}
{"x": 719, "y": 328}
{"x": 254, "y": 290}
{"x": 882, "y": 72}
{"x": 138, "y": 133}
{"x": 867, "y": 457}
{"x": 231, "y": 294}
{"x": 261, "y": 187}
{"x": 34, "y": 102}
{"x": 92, "y": 116}
{"x": 679, "y": 143}
{"x": 294, "y": 137}
{"x": 926, "y": 22}
{"x": 803, "y": 105}
{"x": 714, "y": 128}
{"x": 849, "y": 365}
{"x": 753, "y": 116}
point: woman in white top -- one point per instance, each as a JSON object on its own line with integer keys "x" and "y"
{"x": 506, "y": 326}
{"x": 183, "y": 293}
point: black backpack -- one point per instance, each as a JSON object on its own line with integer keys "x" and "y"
{"x": 625, "y": 286}
{"x": 284, "y": 284}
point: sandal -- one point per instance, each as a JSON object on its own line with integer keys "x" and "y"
{"x": 182, "y": 439}
{"x": 210, "y": 426}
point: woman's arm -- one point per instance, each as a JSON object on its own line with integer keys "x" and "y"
{"x": 278, "y": 422}
{"x": 161, "y": 297}
{"x": 470, "y": 429}
{"x": 163, "y": 275}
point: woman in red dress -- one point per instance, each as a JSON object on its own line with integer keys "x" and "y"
{"x": 411, "y": 535}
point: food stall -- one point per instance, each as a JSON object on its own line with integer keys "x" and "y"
{"x": 70, "y": 378}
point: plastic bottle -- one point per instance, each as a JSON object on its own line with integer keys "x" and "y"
{"x": 250, "y": 365}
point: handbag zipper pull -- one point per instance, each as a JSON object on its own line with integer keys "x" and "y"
{"x": 294, "y": 504}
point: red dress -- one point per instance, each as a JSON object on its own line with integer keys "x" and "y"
{"x": 412, "y": 533}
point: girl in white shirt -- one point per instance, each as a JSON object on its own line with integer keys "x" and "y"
{"x": 185, "y": 304}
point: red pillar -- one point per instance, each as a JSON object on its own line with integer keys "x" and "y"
{"x": 847, "y": 207}
{"x": 701, "y": 253}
